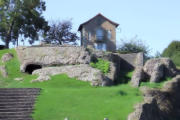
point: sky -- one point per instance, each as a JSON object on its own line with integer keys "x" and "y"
{"x": 156, "y": 22}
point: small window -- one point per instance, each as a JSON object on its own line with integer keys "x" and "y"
{"x": 99, "y": 34}
{"x": 109, "y": 34}
{"x": 100, "y": 46}
{"x": 89, "y": 36}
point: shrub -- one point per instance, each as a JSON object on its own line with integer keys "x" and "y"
{"x": 102, "y": 65}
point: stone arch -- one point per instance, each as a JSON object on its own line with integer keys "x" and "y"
{"x": 29, "y": 66}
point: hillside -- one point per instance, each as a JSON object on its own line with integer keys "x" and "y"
{"x": 67, "y": 97}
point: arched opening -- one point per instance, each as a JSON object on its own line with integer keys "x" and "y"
{"x": 31, "y": 67}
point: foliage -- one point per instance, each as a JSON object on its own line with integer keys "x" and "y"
{"x": 102, "y": 65}
{"x": 134, "y": 45}
{"x": 21, "y": 19}
{"x": 60, "y": 32}
{"x": 67, "y": 97}
{"x": 173, "y": 52}
{"x": 157, "y": 54}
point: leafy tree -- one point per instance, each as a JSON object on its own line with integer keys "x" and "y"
{"x": 173, "y": 52}
{"x": 21, "y": 18}
{"x": 60, "y": 32}
{"x": 134, "y": 45}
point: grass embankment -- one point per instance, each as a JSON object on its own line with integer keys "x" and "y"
{"x": 67, "y": 97}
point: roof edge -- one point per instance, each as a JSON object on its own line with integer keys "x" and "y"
{"x": 81, "y": 25}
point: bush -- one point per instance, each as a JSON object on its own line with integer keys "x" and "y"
{"x": 102, "y": 65}
{"x": 173, "y": 52}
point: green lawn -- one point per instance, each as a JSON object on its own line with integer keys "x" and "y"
{"x": 155, "y": 85}
{"x": 67, "y": 97}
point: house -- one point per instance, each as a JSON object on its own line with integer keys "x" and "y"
{"x": 99, "y": 32}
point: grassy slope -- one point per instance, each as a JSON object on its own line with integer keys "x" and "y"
{"x": 155, "y": 85}
{"x": 67, "y": 97}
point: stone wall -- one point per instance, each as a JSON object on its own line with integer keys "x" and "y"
{"x": 52, "y": 56}
{"x": 132, "y": 60}
{"x": 115, "y": 62}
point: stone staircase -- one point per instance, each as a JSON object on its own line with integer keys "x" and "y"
{"x": 17, "y": 103}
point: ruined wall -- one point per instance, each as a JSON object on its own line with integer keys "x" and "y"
{"x": 37, "y": 57}
{"x": 52, "y": 56}
{"x": 130, "y": 61}
{"x": 160, "y": 104}
{"x": 64, "y": 55}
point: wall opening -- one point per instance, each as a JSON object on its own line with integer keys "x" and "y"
{"x": 31, "y": 67}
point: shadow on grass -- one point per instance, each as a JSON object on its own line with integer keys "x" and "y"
{"x": 122, "y": 93}
{"x": 124, "y": 77}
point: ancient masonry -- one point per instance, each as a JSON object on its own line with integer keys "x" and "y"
{"x": 51, "y": 60}
{"x": 159, "y": 104}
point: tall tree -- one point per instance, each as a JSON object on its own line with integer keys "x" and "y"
{"x": 60, "y": 32}
{"x": 21, "y": 18}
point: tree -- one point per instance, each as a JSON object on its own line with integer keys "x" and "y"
{"x": 157, "y": 54}
{"x": 134, "y": 45}
{"x": 21, "y": 18}
{"x": 60, "y": 32}
{"x": 173, "y": 52}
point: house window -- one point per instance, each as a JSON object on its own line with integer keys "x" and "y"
{"x": 89, "y": 36}
{"x": 100, "y": 46}
{"x": 99, "y": 34}
{"x": 109, "y": 34}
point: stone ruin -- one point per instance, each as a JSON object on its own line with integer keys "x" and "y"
{"x": 154, "y": 70}
{"x": 159, "y": 104}
{"x": 5, "y": 58}
{"x": 74, "y": 61}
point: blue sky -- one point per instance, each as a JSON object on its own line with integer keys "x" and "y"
{"x": 157, "y": 22}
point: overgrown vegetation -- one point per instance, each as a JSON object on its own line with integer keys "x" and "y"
{"x": 102, "y": 65}
{"x": 67, "y": 97}
{"x": 173, "y": 52}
